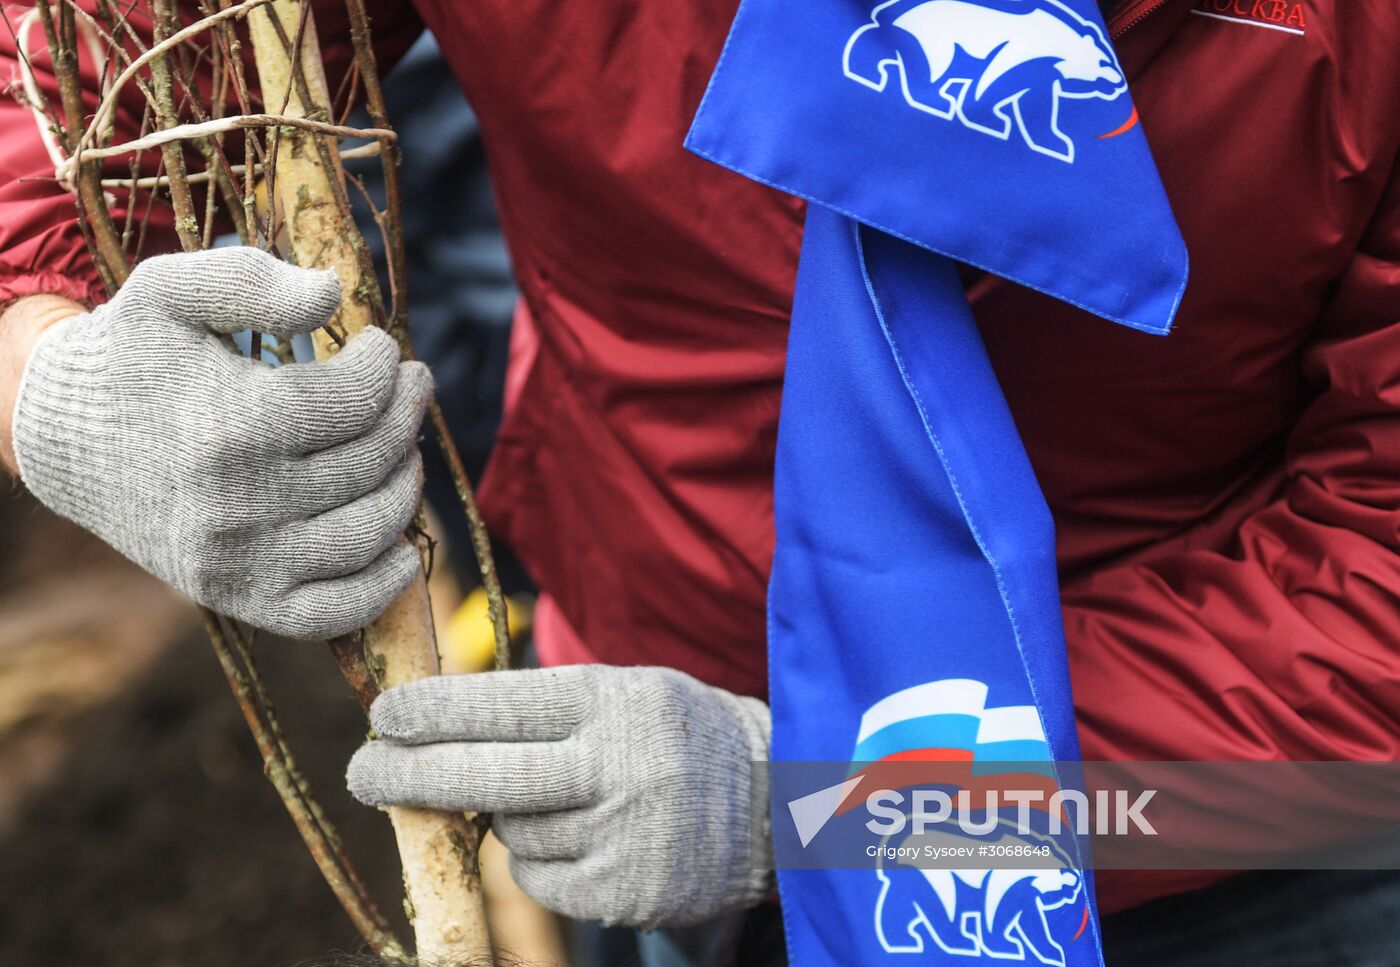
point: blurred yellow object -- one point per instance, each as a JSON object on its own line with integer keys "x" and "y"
{"x": 466, "y": 641}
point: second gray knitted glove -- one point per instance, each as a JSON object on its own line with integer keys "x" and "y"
{"x": 275, "y": 495}
{"x": 625, "y": 795}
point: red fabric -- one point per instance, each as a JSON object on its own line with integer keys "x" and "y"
{"x": 634, "y": 472}
{"x": 556, "y": 642}
{"x": 1227, "y": 498}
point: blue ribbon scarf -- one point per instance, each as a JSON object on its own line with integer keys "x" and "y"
{"x": 914, "y": 604}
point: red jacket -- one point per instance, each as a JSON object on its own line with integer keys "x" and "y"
{"x": 1227, "y": 498}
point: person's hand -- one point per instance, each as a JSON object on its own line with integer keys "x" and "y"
{"x": 22, "y": 322}
{"x": 624, "y": 795}
{"x": 275, "y": 495}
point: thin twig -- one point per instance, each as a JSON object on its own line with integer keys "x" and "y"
{"x": 481, "y": 540}
{"x": 397, "y": 264}
{"x": 274, "y": 144}
{"x": 348, "y": 95}
{"x": 349, "y": 653}
{"x": 368, "y": 280}
{"x": 146, "y": 218}
{"x": 295, "y": 796}
{"x": 222, "y": 126}
{"x": 217, "y": 167}
{"x": 389, "y": 159}
{"x": 31, "y": 94}
{"x": 129, "y": 220}
{"x": 243, "y": 647}
{"x": 163, "y": 87}
{"x": 214, "y": 158}
{"x": 203, "y": 177}
{"x": 93, "y": 216}
{"x": 102, "y": 116}
{"x": 232, "y": 48}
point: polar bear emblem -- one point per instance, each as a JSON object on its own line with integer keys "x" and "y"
{"x": 992, "y": 65}
{"x": 999, "y": 913}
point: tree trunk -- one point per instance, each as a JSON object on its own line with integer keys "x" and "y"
{"x": 438, "y": 850}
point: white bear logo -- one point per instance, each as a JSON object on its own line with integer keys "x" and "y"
{"x": 996, "y": 913}
{"x": 990, "y": 64}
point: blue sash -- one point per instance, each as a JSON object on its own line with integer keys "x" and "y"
{"x": 914, "y": 605}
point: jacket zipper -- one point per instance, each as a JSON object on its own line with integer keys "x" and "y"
{"x": 1134, "y": 16}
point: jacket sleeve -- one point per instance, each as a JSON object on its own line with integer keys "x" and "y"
{"x": 1288, "y": 645}
{"x": 41, "y": 244}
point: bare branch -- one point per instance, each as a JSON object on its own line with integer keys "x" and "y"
{"x": 204, "y": 129}
{"x": 316, "y": 831}
{"x": 105, "y": 110}
{"x": 167, "y": 114}
{"x": 93, "y": 216}
{"x": 395, "y": 256}
{"x": 202, "y": 177}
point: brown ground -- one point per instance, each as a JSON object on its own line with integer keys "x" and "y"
{"x": 136, "y": 829}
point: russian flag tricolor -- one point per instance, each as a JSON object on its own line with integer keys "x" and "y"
{"x": 913, "y": 605}
{"x": 949, "y": 719}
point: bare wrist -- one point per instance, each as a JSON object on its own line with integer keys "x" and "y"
{"x": 21, "y": 325}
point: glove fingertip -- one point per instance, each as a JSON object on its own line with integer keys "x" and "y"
{"x": 418, "y": 378}
{"x": 374, "y": 343}
{"x": 416, "y": 711}
{"x": 364, "y": 776}
{"x": 391, "y": 715}
{"x": 325, "y": 285}
{"x": 314, "y": 297}
{"x": 404, "y": 564}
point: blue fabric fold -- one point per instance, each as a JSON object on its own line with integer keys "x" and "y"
{"x": 914, "y": 604}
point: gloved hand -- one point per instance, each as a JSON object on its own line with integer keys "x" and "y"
{"x": 272, "y": 494}
{"x": 623, "y": 794}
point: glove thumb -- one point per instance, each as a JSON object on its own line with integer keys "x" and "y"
{"x": 227, "y": 290}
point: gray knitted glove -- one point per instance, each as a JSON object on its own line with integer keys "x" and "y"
{"x": 275, "y": 495}
{"x": 623, "y": 794}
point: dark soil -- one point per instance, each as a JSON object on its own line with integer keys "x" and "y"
{"x": 156, "y": 841}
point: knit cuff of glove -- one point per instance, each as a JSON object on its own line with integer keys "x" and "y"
{"x": 46, "y": 427}
{"x": 754, "y": 718}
